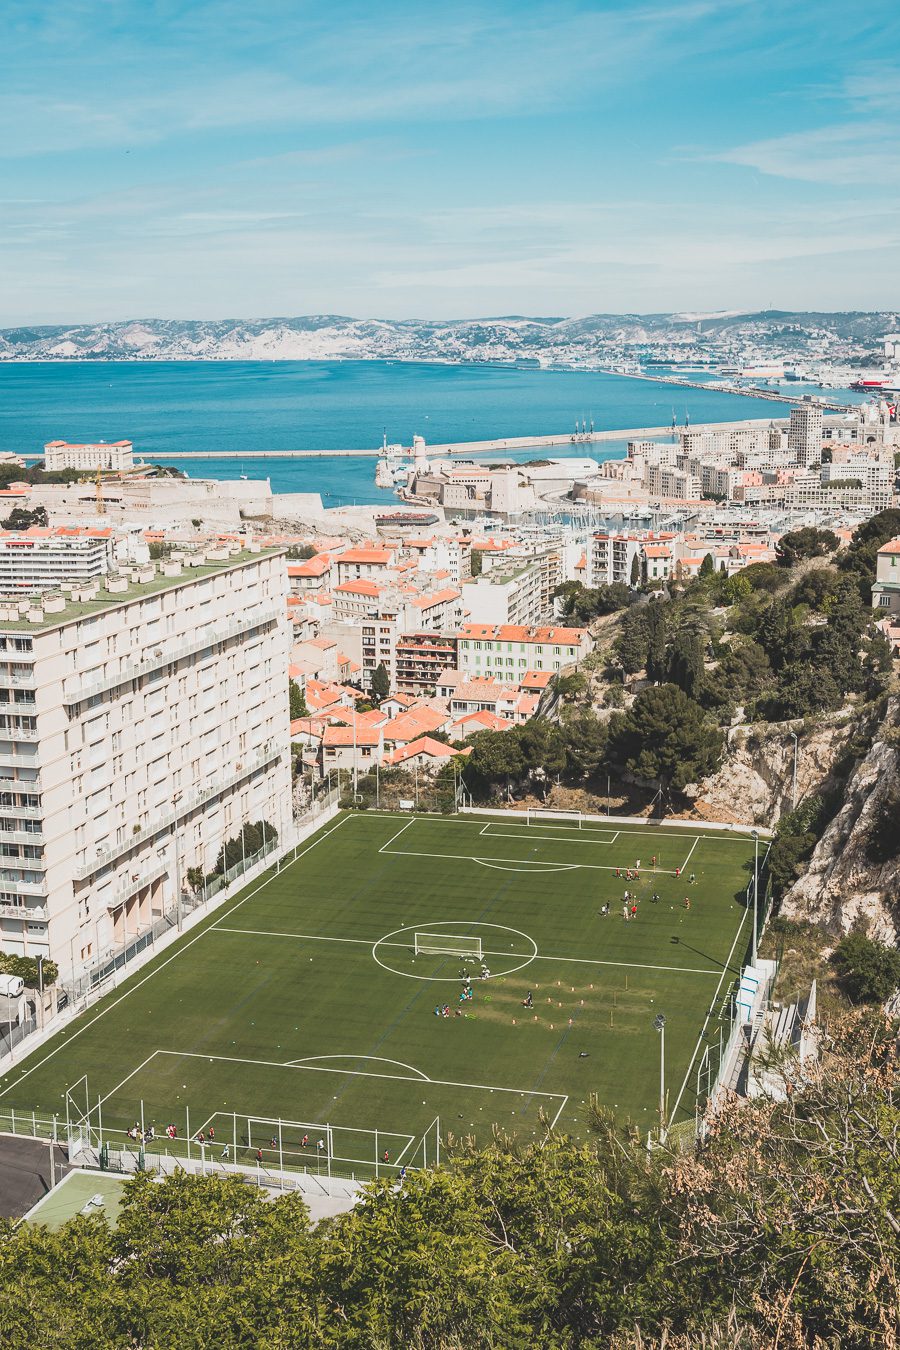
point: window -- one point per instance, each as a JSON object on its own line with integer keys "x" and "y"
{"x": 884, "y": 601}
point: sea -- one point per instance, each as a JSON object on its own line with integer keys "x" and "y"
{"x": 242, "y": 406}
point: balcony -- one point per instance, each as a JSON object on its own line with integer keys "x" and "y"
{"x": 164, "y": 656}
{"x": 27, "y": 889}
{"x": 18, "y": 733}
{"x": 34, "y": 914}
{"x": 145, "y": 878}
{"x": 21, "y": 836}
{"x": 184, "y": 808}
{"x": 17, "y": 680}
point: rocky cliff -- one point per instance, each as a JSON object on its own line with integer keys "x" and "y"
{"x": 841, "y": 884}
{"x": 755, "y": 784}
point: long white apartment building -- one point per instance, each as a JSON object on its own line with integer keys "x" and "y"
{"x": 145, "y": 720}
{"x": 41, "y": 558}
{"x": 110, "y": 455}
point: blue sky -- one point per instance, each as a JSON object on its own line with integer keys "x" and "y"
{"x": 228, "y": 159}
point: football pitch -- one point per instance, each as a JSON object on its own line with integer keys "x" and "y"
{"x": 305, "y": 1017}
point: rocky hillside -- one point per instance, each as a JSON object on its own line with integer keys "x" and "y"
{"x": 843, "y": 884}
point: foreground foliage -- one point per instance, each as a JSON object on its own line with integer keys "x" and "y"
{"x": 782, "y": 1230}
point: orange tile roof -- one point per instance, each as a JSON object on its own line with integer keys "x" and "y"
{"x": 359, "y": 587}
{"x": 487, "y": 721}
{"x": 85, "y": 445}
{"x": 514, "y": 632}
{"x": 311, "y": 567}
{"x": 536, "y": 679}
{"x": 657, "y": 551}
{"x": 406, "y": 726}
{"x": 380, "y": 556}
{"x": 335, "y": 736}
{"x": 437, "y": 598}
{"x": 893, "y": 546}
{"x": 425, "y": 745}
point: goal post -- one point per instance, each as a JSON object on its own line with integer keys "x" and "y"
{"x": 447, "y": 944}
{"x": 535, "y": 815}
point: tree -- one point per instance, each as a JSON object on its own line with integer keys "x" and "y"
{"x": 869, "y": 970}
{"x": 859, "y": 557}
{"x": 636, "y": 571}
{"x": 380, "y": 684}
{"x": 807, "y": 542}
{"x": 632, "y": 644}
{"x": 296, "y": 701}
{"x": 708, "y": 566}
{"x": 242, "y": 846}
{"x": 685, "y": 662}
{"x": 665, "y": 738}
{"x": 21, "y": 519}
{"x": 301, "y": 552}
{"x": 656, "y": 640}
{"x": 476, "y": 562}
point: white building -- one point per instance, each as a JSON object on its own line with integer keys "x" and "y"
{"x": 805, "y": 434}
{"x": 39, "y": 559}
{"x": 146, "y": 720}
{"x": 114, "y": 455}
{"x": 506, "y": 651}
{"x": 507, "y": 593}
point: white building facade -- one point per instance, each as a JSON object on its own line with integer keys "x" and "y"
{"x": 109, "y": 455}
{"x": 146, "y": 721}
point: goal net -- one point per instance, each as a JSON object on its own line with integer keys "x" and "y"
{"x": 447, "y": 944}
{"x": 544, "y": 815}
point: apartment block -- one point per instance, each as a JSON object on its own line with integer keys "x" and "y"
{"x": 508, "y": 650}
{"x": 420, "y": 658}
{"x": 110, "y": 455}
{"x": 509, "y": 592}
{"x": 805, "y": 434}
{"x": 39, "y": 559}
{"x": 146, "y": 720}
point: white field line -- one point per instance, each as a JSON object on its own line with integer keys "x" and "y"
{"x": 553, "y": 838}
{"x": 569, "y": 960}
{"x": 359, "y": 1073}
{"x": 573, "y": 831}
{"x": 385, "y": 847}
{"x": 69, "y": 1038}
{"x": 712, "y": 1007}
{"x": 690, "y": 851}
{"x": 520, "y": 864}
{"x": 565, "y": 1101}
{"x": 615, "y": 836}
{"x": 415, "y": 1074}
{"x": 112, "y": 1091}
{"x": 396, "y": 1162}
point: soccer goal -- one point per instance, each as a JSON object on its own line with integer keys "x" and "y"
{"x": 536, "y": 815}
{"x": 447, "y": 944}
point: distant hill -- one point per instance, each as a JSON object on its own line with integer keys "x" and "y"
{"x": 592, "y": 339}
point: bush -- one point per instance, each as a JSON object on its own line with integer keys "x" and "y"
{"x": 26, "y": 967}
{"x": 883, "y": 842}
{"x": 868, "y": 970}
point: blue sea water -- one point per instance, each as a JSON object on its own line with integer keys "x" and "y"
{"x": 216, "y": 406}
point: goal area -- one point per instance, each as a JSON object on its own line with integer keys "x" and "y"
{"x": 447, "y": 944}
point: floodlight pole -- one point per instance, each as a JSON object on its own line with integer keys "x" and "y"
{"x": 660, "y": 1023}
{"x": 755, "y": 893}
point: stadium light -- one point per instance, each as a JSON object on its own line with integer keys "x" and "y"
{"x": 659, "y": 1023}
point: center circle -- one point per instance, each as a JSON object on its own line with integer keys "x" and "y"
{"x": 396, "y": 951}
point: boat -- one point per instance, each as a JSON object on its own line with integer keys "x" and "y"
{"x": 405, "y": 520}
{"x": 862, "y": 386}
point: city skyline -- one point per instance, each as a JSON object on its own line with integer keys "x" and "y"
{"x": 512, "y": 159}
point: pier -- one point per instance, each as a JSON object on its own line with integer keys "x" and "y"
{"x": 466, "y": 448}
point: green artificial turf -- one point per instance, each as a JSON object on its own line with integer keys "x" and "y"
{"x": 302, "y": 1000}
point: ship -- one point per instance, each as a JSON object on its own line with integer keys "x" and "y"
{"x": 406, "y": 520}
{"x": 863, "y": 386}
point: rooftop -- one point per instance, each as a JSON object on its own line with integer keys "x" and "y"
{"x": 92, "y": 598}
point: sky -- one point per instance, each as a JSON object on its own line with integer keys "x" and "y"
{"x": 417, "y": 160}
